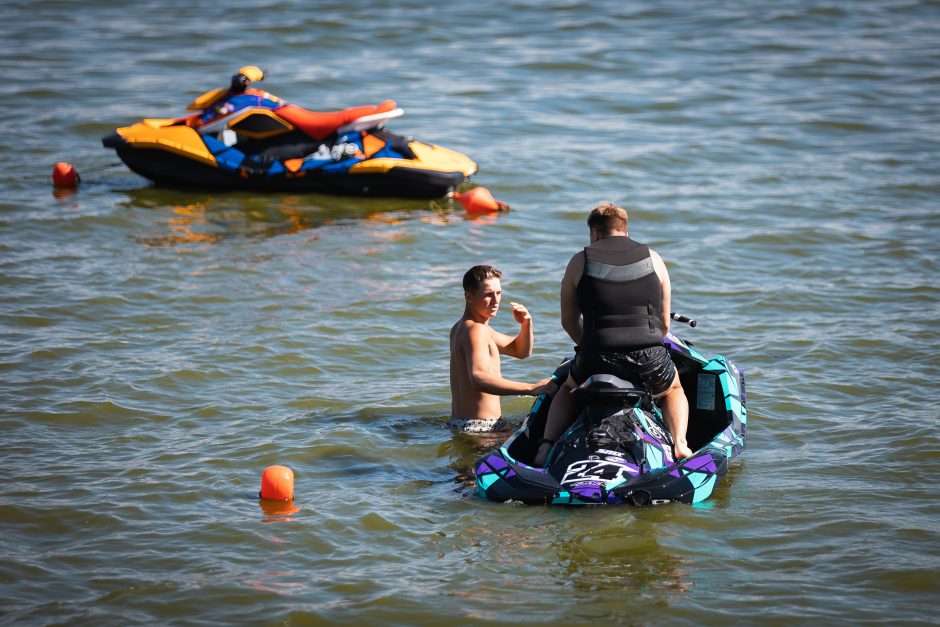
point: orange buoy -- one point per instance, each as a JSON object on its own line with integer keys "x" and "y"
{"x": 64, "y": 175}
{"x": 277, "y": 483}
{"x": 479, "y": 200}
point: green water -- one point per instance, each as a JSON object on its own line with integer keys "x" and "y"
{"x": 160, "y": 348}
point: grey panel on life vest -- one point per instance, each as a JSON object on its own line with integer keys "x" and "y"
{"x": 609, "y": 272}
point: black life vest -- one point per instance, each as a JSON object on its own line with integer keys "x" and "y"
{"x": 619, "y": 295}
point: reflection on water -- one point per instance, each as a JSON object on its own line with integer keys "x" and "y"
{"x": 278, "y": 511}
{"x": 464, "y": 449}
{"x": 200, "y": 219}
{"x": 622, "y": 550}
{"x": 64, "y": 193}
{"x": 182, "y": 228}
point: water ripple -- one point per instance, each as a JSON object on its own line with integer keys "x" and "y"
{"x": 161, "y": 347}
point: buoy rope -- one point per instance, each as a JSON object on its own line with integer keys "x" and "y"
{"x": 113, "y": 164}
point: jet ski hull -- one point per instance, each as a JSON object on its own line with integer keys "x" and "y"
{"x": 590, "y": 466}
{"x": 171, "y": 169}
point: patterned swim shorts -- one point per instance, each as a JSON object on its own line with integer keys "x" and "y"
{"x": 484, "y": 425}
{"x": 653, "y": 366}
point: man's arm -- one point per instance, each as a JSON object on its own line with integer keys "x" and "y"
{"x": 570, "y": 311}
{"x": 478, "y": 365}
{"x": 520, "y": 346}
{"x": 663, "y": 274}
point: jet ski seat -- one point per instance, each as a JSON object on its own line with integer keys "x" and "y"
{"x": 319, "y": 125}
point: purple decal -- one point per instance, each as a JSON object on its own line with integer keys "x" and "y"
{"x": 703, "y": 463}
{"x": 670, "y": 341}
{"x": 496, "y": 462}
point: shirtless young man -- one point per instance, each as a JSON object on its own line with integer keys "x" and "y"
{"x": 475, "y": 379}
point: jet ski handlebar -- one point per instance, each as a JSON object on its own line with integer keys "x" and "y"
{"x": 683, "y": 319}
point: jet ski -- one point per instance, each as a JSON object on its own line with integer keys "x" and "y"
{"x": 241, "y": 137}
{"x": 619, "y": 450}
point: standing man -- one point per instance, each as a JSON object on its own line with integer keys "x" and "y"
{"x": 615, "y": 304}
{"x": 475, "y": 379}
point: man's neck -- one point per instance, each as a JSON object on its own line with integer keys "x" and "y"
{"x": 611, "y": 234}
{"x": 469, "y": 314}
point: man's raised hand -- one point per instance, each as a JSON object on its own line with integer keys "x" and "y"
{"x": 520, "y": 313}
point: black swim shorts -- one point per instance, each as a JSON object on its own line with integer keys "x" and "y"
{"x": 652, "y": 366}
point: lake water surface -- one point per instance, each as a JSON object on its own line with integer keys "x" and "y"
{"x": 159, "y": 348}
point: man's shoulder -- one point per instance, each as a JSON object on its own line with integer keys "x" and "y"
{"x": 466, "y": 329}
{"x": 478, "y": 329}
{"x": 657, "y": 258}
{"x": 574, "y": 269}
{"x": 459, "y": 329}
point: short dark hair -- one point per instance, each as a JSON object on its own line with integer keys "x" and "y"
{"x": 607, "y": 218}
{"x": 475, "y": 277}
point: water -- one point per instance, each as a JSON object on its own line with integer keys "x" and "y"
{"x": 160, "y": 348}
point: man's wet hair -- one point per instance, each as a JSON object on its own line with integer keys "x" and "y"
{"x": 477, "y": 275}
{"x": 607, "y": 217}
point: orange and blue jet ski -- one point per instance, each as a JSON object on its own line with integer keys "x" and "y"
{"x": 245, "y": 138}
